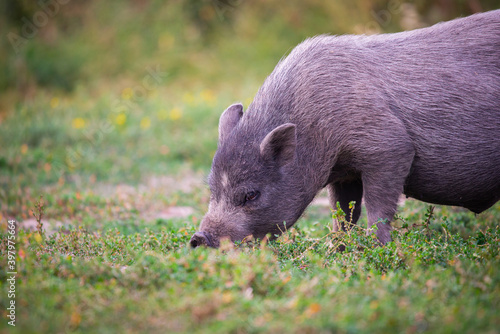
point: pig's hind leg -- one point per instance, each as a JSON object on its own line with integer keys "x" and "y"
{"x": 383, "y": 183}
{"x": 344, "y": 193}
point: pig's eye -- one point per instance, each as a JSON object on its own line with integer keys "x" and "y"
{"x": 251, "y": 196}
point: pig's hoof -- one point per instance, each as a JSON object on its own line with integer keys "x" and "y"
{"x": 199, "y": 239}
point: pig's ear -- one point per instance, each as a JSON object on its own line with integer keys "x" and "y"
{"x": 279, "y": 144}
{"x": 228, "y": 120}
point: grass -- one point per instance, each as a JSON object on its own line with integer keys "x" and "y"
{"x": 116, "y": 125}
{"x": 429, "y": 279}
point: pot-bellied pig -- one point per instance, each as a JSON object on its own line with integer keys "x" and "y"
{"x": 372, "y": 117}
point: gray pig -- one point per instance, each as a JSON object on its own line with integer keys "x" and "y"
{"x": 368, "y": 117}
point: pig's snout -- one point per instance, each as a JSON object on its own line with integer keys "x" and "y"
{"x": 200, "y": 239}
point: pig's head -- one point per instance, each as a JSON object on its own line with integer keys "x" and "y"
{"x": 255, "y": 189}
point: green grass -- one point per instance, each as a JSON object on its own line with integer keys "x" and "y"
{"x": 428, "y": 279}
{"x": 120, "y": 157}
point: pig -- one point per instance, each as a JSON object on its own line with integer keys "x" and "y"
{"x": 369, "y": 118}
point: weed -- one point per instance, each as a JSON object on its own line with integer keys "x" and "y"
{"x": 38, "y": 214}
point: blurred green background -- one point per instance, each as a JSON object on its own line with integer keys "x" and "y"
{"x": 61, "y": 44}
{"x": 119, "y": 91}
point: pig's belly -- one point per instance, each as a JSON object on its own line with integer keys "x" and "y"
{"x": 474, "y": 190}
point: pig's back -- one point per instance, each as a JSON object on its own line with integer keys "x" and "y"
{"x": 441, "y": 82}
{"x": 444, "y": 84}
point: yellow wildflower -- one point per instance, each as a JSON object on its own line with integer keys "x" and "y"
{"x": 145, "y": 123}
{"x": 121, "y": 119}
{"x": 127, "y": 93}
{"x": 208, "y": 96}
{"x": 78, "y": 123}
{"x": 166, "y": 41}
{"x": 54, "y": 102}
{"x": 175, "y": 114}
{"x": 188, "y": 98}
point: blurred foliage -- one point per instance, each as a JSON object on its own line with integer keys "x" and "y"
{"x": 60, "y": 43}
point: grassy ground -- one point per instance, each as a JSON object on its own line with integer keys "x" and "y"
{"x": 120, "y": 151}
{"x": 117, "y": 272}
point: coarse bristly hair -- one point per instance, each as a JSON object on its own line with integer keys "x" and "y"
{"x": 368, "y": 117}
